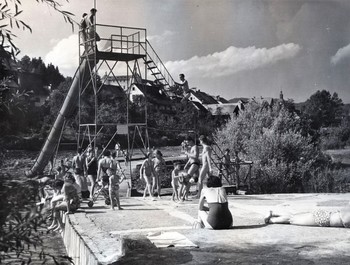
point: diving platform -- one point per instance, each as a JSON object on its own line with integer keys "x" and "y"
{"x": 113, "y": 56}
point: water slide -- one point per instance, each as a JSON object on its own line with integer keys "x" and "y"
{"x": 47, "y": 152}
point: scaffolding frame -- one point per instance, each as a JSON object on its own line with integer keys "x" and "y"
{"x": 126, "y": 46}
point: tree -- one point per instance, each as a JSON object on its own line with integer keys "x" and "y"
{"x": 10, "y": 11}
{"x": 18, "y": 219}
{"x": 273, "y": 140}
{"x": 323, "y": 109}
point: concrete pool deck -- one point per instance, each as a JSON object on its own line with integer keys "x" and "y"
{"x": 99, "y": 235}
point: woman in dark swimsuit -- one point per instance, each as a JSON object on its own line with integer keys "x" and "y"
{"x": 216, "y": 215}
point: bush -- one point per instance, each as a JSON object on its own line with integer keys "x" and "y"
{"x": 284, "y": 159}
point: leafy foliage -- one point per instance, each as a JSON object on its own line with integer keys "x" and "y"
{"x": 323, "y": 109}
{"x": 273, "y": 140}
{"x": 10, "y": 11}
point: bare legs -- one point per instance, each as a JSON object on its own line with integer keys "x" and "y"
{"x": 202, "y": 219}
{"x": 92, "y": 180}
{"x": 204, "y": 171}
{"x": 147, "y": 188}
{"x": 156, "y": 183}
{"x": 304, "y": 219}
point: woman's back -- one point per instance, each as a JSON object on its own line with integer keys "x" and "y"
{"x": 219, "y": 216}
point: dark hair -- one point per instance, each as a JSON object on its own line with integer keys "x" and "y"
{"x": 148, "y": 154}
{"x": 182, "y": 75}
{"x": 158, "y": 152}
{"x": 69, "y": 176}
{"x": 227, "y": 150}
{"x": 59, "y": 168}
{"x": 57, "y": 184}
{"x": 106, "y": 153}
{"x": 114, "y": 154}
{"x": 84, "y": 14}
{"x": 79, "y": 150}
{"x": 214, "y": 182}
{"x": 93, "y": 10}
{"x": 204, "y": 139}
{"x": 177, "y": 164}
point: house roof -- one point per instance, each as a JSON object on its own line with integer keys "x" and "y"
{"x": 222, "y": 100}
{"x": 223, "y": 109}
{"x": 154, "y": 93}
{"x": 116, "y": 90}
{"x": 199, "y": 106}
{"x": 204, "y": 97}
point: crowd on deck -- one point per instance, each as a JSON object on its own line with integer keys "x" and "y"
{"x": 70, "y": 186}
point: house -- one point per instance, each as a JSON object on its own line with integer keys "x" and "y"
{"x": 33, "y": 82}
{"x": 202, "y": 97}
{"x": 113, "y": 92}
{"x": 268, "y": 102}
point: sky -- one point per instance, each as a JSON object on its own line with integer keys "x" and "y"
{"x": 231, "y": 48}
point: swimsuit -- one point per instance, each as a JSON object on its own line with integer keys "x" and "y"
{"x": 195, "y": 163}
{"x": 219, "y": 216}
{"x": 322, "y": 217}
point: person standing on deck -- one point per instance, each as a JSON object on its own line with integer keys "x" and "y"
{"x": 206, "y": 169}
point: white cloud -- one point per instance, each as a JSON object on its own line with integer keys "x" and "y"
{"x": 233, "y": 60}
{"x": 161, "y": 39}
{"x": 65, "y": 55}
{"x": 341, "y": 54}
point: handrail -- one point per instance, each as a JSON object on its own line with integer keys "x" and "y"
{"x": 149, "y": 44}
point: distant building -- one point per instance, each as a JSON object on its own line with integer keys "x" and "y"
{"x": 33, "y": 83}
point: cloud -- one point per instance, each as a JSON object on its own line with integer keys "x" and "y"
{"x": 161, "y": 39}
{"x": 341, "y": 54}
{"x": 65, "y": 55}
{"x": 233, "y": 60}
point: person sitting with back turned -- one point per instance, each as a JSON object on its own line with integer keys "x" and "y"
{"x": 217, "y": 215}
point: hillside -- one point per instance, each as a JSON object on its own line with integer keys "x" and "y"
{"x": 235, "y": 100}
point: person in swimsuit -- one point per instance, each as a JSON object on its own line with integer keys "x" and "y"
{"x": 217, "y": 215}
{"x": 115, "y": 165}
{"x": 318, "y": 217}
{"x": 192, "y": 166}
{"x": 146, "y": 172}
{"x": 206, "y": 169}
{"x": 103, "y": 164}
{"x": 113, "y": 188}
{"x": 70, "y": 203}
{"x": 91, "y": 165}
{"x": 159, "y": 169}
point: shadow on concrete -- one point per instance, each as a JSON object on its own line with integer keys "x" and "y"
{"x": 93, "y": 207}
{"x": 248, "y": 226}
{"x": 253, "y": 254}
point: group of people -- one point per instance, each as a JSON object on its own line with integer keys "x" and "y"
{"x": 153, "y": 170}
{"x": 88, "y": 30}
{"x": 70, "y": 185}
